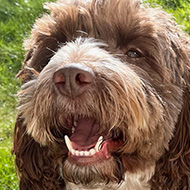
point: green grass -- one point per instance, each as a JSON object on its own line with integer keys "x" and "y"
{"x": 16, "y": 19}
{"x": 180, "y": 9}
{"x": 8, "y": 179}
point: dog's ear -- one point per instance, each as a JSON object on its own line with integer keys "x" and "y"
{"x": 173, "y": 168}
{"x": 39, "y": 52}
{"x": 33, "y": 162}
{"x": 42, "y": 49}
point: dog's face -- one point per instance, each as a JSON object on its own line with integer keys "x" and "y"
{"x": 107, "y": 88}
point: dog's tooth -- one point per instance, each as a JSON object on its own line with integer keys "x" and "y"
{"x": 86, "y": 153}
{"x": 99, "y": 142}
{"x": 73, "y": 152}
{"x": 92, "y": 151}
{"x": 73, "y": 129}
{"x": 68, "y": 143}
{"x": 75, "y": 123}
{"x": 76, "y": 152}
{"x": 81, "y": 153}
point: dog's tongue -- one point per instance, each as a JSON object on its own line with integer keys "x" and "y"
{"x": 86, "y": 132}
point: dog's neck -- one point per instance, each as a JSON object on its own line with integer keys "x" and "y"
{"x": 126, "y": 185}
{"x": 137, "y": 181}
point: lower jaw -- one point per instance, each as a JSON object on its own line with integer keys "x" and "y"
{"x": 91, "y": 172}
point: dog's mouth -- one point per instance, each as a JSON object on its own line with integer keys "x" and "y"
{"x": 87, "y": 144}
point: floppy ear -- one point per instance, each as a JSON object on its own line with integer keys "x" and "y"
{"x": 34, "y": 163}
{"x": 39, "y": 54}
{"x": 173, "y": 168}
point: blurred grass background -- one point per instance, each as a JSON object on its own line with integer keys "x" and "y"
{"x": 16, "y": 19}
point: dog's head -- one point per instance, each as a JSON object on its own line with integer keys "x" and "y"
{"x": 104, "y": 85}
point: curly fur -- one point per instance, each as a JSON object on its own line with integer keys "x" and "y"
{"x": 146, "y": 98}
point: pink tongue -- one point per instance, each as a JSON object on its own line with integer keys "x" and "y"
{"x": 86, "y": 132}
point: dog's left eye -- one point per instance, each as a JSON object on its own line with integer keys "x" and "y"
{"x": 134, "y": 54}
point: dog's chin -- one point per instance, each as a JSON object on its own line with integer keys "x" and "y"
{"x": 91, "y": 171}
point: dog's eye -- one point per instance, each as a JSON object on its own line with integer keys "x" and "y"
{"x": 133, "y": 54}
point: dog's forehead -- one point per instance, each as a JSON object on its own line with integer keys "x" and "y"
{"x": 94, "y": 18}
{"x": 120, "y": 24}
{"x": 117, "y": 23}
{"x": 113, "y": 21}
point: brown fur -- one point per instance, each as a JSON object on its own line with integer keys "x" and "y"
{"x": 147, "y": 98}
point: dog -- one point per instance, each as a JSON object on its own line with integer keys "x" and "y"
{"x": 105, "y": 99}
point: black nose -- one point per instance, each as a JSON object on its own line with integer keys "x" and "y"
{"x": 73, "y": 79}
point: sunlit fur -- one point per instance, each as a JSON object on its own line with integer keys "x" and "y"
{"x": 145, "y": 98}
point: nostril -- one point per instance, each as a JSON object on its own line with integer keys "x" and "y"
{"x": 59, "y": 78}
{"x": 80, "y": 78}
{"x": 84, "y": 78}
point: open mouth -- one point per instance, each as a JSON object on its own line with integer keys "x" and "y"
{"x": 88, "y": 143}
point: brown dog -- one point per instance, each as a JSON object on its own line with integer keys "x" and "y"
{"x": 105, "y": 101}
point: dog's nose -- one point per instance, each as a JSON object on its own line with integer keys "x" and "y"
{"x": 73, "y": 79}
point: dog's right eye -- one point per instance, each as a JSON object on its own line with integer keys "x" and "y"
{"x": 133, "y": 53}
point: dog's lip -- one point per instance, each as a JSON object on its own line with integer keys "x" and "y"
{"x": 101, "y": 151}
{"x": 105, "y": 153}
